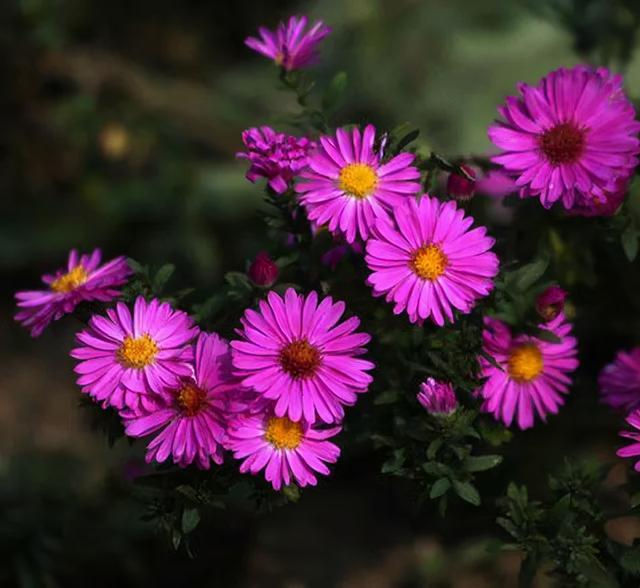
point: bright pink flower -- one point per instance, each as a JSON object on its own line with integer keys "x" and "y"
{"x": 127, "y": 361}
{"x": 460, "y": 187}
{"x": 533, "y": 374}
{"x": 429, "y": 262}
{"x": 263, "y": 271}
{"x": 496, "y": 183}
{"x": 570, "y": 138}
{"x": 288, "y": 451}
{"x": 620, "y": 381}
{"x": 347, "y": 187}
{"x": 293, "y": 351}
{"x": 633, "y": 449}
{"x": 191, "y": 416}
{"x": 608, "y": 207}
{"x": 84, "y": 279}
{"x": 437, "y": 398}
{"x": 290, "y": 46}
{"x": 550, "y": 303}
{"x": 275, "y": 156}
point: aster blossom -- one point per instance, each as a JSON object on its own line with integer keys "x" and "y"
{"x": 550, "y": 302}
{"x": 128, "y": 359}
{"x": 619, "y": 381}
{"x": 570, "y": 138}
{"x": 275, "y": 156}
{"x": 286, "y": 450}
{"x": 293, "y": 351}
{"x": 533, "y": 375}
{"x": 191, "y": 417}
{"x": 437, "y": 398}
{"x": 290, "y": 45}
{"x": 429, "y": 260}
{"x": 83, "y": 280}
{"x": 347, "y": 187}
{"x": 633, "y": 449}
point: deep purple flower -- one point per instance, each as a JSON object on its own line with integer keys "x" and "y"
{"x": 263, "y": 271}
{"x": 550, "y": 303}
{"x": 620, "y": 381}
{"x": 437, "y": 398}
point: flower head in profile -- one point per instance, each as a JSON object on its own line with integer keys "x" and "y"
{"x": 84, "y": 279}
{"x": 347, "y": 187}
{"x": 429, "y": 260}
{"x": 275, "y": 156}
{"x": 550, "y": 303}
{"x": 288, "y": 451}
{"x": 290, "y": 45}
{"x": 437, "y": 398}
{"x": 571, "y": 138}
{"x": 462, "y": 188}
{"x": 533, "y": 375}
{"x": 127, "y": 359}
{"x": 263, "y": 271}
{"x": 295, "y": 352}
{"x": 620, "y": 381}
{"x": 604, "y": 207}
{"x": 633, "y": 449}
{"x": 190, "y": 417}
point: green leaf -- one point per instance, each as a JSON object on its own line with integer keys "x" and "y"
{"x": 439, "y": 487}
{"x": 137, "y": 267}
{"x": 529, "y": 274}
{"x": 335, "y": 92}
{"x": 547, "y": 336}
{"x": 162, "y": 277}
{"x": 408, "y": 138}
{"x": 630, "y": 561}
{"x": 629, "y": 240}
{"x": 394, "y": 463}
{"x": 482, "y": 462}
{"x": 467, "y": 492}
{"x": 292, "y": 492}
{"x": 190, "y": 520}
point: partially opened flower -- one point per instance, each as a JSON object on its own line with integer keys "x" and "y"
{"x": 437, "y": 398}
{"x": 290, "y": 45}
{"x": 84, "y": 279}
{"x": 190, "y": 419}
{"x": 603, "y": 207}
{"x": 295, "y": 352}
{"x": 531, "y": 375}
{"x": 429, "y": 261}
{"x": 571, "y": 138}
{"x": 347, "y": 187}
{"x": 275, "y": 156}
{"x": 127, "y": 360}
{"x": 633, "y": 449}
{"x": 550, "y": 303}
{"x": 288, "y": 451}
{"x": 462, "y": 188}
{"x": 620, "y": 381}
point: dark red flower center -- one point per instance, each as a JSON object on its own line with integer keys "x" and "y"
{"x": 300, "y": 359}
{"x": 191, "y": 398}
{"x": 563, "y": 143}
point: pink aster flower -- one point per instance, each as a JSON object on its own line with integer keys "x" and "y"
{"x": 127, "y": 360}
{"x": 191, "y": 416}
{"x": 84, "y": 279}
{"x": 620, "y": 381}
{"x": 607, "y": 207}
{"x": 290, "y": 46}
{"x": 550, "y": 303}
{"x": 347, "y": 187}
{"x": 275, "y": 156}
{"x": 437, "y": 398}
{"x": 633, "y": 449}
{"x": 429, "y": 262}
{"x": 570, "y": 138}
{"x": 288, "y": 451}
{"x": 293, "y": 351}
{"x": 533, "y": 374}
{"x": 496, "y": 183}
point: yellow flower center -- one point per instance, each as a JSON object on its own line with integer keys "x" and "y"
{"x": 70, "y": 281}
{"x": 283, "y": 433}
{"x": 279, "y": 60}
{"x": 525, "y": 362}
{"x": 300, "y": 359}
{"x": 429, "y": 262}
{"x": 137, "y": 353}
{"x": 358, "y": 180}
{"x": 191, "y": 398}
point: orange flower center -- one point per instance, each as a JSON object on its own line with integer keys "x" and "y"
{"x": 429, "y": 262}
{"x": 191, "y": 398}
{"x": 138, "y": 353}
{"x": 300, "y": 359}
{"x": 563, "y": 143}
{"x": 525, "y": 362}
{"x": 358, "y": 180}
{"x": 70, "y": 281}
{"x": 283, "y": 433}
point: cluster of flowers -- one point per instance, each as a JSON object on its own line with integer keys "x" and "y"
{"x": 276, "y": 395}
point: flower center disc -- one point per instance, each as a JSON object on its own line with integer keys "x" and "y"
{"x": 283, "y": 433}
{"x": 70, "y": 281}
{"x": 300, "y": 359}
{"x": 191, "y": 398}
{"x": 137, "y": 353}
{"x": 358, "y": 180}
{"x": 429, "y": 262}
{"x": 525, "y": 363}
{"x": 563, "y": 143}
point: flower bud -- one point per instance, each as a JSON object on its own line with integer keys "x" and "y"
{"x": 437, "y": 398}
{"x": 460, "y": 187}
{"x": 263, "y": 271}
{"x": 550, "y": 303}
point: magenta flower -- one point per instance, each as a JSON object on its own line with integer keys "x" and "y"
{"x": 437, "y": 398}
{"x": 288, "y": 451}
{"x": 429, "y": 262}
{"x": 128, "y": 360}
{"x": 275, "y": 156}
{"x": 263, "y": 271}
{"x": 290, "y": 46}
{"x": 191, "y": 416}
{"x": 570, "y": 138}
{"x": 550, "y": 303}
{"x": 607, "y": 207}
{"x": 460, "y": 187}
{"x": 633, "y": 449}
{"x": 293, "y": 351}
{"x": 346, "y": 187}
{"x": 533, "y": 374}
{"x": 620, "y": 381}
{"x": 84, "y": 279}
{"x": 496, "y": 183}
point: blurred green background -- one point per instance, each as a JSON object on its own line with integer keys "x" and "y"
{"x": 119, "y": 121}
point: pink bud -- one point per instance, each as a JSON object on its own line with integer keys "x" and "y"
{"x": 263, "y": 271}
{"x": 550, "y": 303}
{"x": 460, "y": 187}
{"x": 437, "y": 398}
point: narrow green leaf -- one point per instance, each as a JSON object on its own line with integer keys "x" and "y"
{"x": 529, "y": 274}
{"x": 481, "y": 463}
{"x": 467, "y": 492}
{"x": 335, "y": 92}
{"x": 190, "y": 520}
{"x": 629, "y": 240}
{"x": 439, "y": 487}
{"x": 162, "y": 277}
